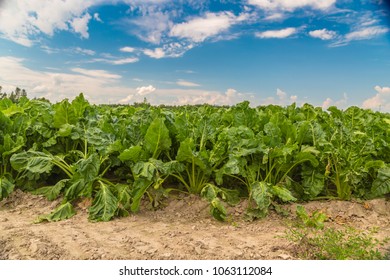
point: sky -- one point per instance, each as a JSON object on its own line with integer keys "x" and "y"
{"x": 323, "y": 52}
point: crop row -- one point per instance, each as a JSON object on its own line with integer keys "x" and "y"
{"x": 119, "y": 155}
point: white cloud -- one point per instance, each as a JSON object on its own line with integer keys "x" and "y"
{"x": 97, "y": 17}
{"x": 138, "y": 94}
{"x": 380, "y": 101}
{"x": 96, "y": 73}
{"x": 84, "y": 51}
{"x": 275, "y": 16}
{"x": 211, "y": 24}
{"x": 185, "y": 83}
{"x": 22, "y": 21}
{"x": 323, "y": 34}
{"x": 279, "y": 34}
{"x": 98, "y": 85}
{"x": 80, "y": 25}
{"x": 145, "y": 90}
{"x": 291, "y": 5}
{"x": 123, "y": 61}
{"x": 366, "y": 33}
{"x": 281, "y": 94}
{"x": 127, "y": 49}
{"x": 341, "y": 103}
{"x": 151, "y": 26}
{"x": 156, "y": 53}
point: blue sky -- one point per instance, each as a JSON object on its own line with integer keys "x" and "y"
{"x": 324, "y": 52}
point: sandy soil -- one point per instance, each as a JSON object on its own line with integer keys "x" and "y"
{"x": 182, "y": 230}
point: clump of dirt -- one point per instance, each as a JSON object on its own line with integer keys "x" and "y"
{"x": 183, "y": 229}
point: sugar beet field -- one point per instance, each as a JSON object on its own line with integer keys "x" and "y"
{"x": 191, "y": 182}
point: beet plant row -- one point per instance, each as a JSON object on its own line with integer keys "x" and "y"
{"x": 119, "y": 155}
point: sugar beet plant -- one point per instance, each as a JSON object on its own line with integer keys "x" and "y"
{"x": 116, "y": 156}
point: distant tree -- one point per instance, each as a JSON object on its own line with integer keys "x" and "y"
{"x": 14, "y": 96}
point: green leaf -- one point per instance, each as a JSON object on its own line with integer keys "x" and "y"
{"x": 381, "y": 184}
{"x": 78, "y": 188}
{"x": 140, "y": 187}
{"x": 284, "y": 194}
{"x": 217, "y": 210}
{"x": 133, "y": 154}
{"x": 157, "y": 138}
{"x": 6, "y": 187}
{"x": 51, "y": 192}
{"x": 88, "y": 168}
{"x": 123, "y": 193}
{"x": 63, "y": 114}
{"x": 104, "y": 205}
{"x": 146, "y": 170}
{"x": 32, "y": 161}
{"x": 261, "y": 196}
{"x": 187, "y": 153}
{"x": 316, "y": 220}
{"x": 63, "y": 212}
{"x": 232, "y": 197}
{"x": 65, "y": 130}
{"x": 313, "y": 182}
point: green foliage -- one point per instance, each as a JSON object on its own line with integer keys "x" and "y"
{"x": 119, "y": 155}
{"x": 336, "y": 244}
{"x": 315, "y": 220}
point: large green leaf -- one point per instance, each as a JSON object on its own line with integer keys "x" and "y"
{"x": 78, "y": 187}
{"x": 313, "y": 182}
{"x": 6, "y": 187}
{"x": 261, "y": 196}
{"x": 187, "y": 153}
{"x": 104, "y": 205}
{"x": 284, "y": 194}
{"x": 52, "y": 192}
{"x": 63, "y": 212}
{"x": 157, "y": 138}
{"x": 88, "y": 168}
{"x": 133, "y": 154}
{"x": 32, "y": 161}
{"x": 63, "y": 114}
{"x": 381, "y": 184}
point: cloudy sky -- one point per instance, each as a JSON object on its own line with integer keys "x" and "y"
{"x": 323, "y": 52}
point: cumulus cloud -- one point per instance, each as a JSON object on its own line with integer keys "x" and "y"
{"x": 341, "y": 103}
{"x": 323, "y": 34}
{"x": 291, "y": 5}
{"x": 200, "y": 28}
{"x": 279, "y": 34}
{"x": 380, "y": 101}
{"x": 145, "y": 90}
{"x": 22, "y": 20}
{"x": 80, "y": 25}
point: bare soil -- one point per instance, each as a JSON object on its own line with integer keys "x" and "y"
{"x": 183, "y": 229}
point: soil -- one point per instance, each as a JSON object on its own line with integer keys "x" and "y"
{"x": 183, "y": 229}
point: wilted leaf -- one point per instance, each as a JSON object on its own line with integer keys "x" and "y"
{"x": 63, "y": 212}
{"x": 51, "y": 192}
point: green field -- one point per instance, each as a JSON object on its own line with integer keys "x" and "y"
{"x": 119, "y": 155}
